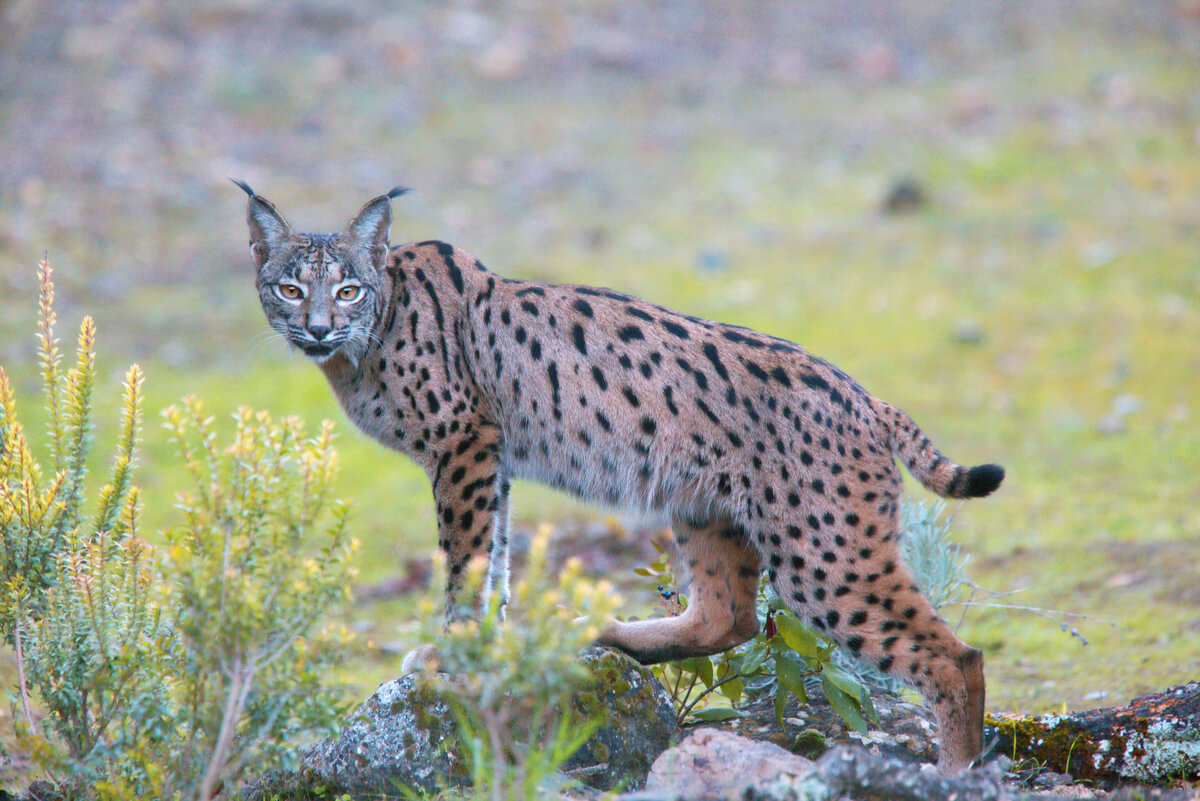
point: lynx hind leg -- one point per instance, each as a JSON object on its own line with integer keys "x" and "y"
{"x": 721, "y": 610}
{"x": 865, "y": 598}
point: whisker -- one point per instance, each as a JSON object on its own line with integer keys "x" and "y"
{"x": 269, "y": 336}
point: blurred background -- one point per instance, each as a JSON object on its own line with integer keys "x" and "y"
{"x": 986, "y": 212}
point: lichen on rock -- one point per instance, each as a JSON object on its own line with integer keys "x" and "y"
{"x": 1170, "y": 748}
{"x": 639, "y": 721}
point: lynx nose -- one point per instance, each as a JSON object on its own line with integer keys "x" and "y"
{"x": 318, "y": 331}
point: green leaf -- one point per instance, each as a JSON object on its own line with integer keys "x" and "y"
{"x": 706, "y": 671}
{"x": 791, "y": 676}
{"x": 715, "y": 713}
{"x": 847, "y": 707}
{"x": 800, "y": 638}
{"x": 852, "y": 687}
{"x": 842, "y": 679}
{"x": 732, "y": 690}
{"x": 754, "y": 659}
{"x": 643, "y": 571}
{"x": 701, "y": 666}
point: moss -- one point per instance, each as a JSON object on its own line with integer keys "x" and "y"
{"x": 810, "y": 743}
{"x": 1061, "y": 745}
{"x": 1144, "y": 750}
{"x": 421, "y": 700}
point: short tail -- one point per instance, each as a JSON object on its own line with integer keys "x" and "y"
{"x": 927, "y": 464}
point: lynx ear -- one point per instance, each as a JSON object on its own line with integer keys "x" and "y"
{"x": 268, "y": 229}
{"x": 368, "y": 231}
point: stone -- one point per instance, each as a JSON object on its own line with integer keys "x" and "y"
{"x": 904, "y": 195}
{"x": 641, "y": 722}
{"x": 711, "y": 763}
{"x": 394, "y": 740}
{"x": 402, "y": 739}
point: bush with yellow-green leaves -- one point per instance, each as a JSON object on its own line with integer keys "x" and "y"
{"x": 165, "y": 674}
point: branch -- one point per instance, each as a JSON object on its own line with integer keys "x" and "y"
{"x": 688, "y": 709}
{"x": 21, "y": 677}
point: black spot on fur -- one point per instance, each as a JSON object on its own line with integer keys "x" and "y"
{"x": 675, "y": 329}
{"x": 630, "y": 333}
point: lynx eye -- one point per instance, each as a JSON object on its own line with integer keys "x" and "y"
{"x": 349, "y": 292}
{"x": 289, "y": 291}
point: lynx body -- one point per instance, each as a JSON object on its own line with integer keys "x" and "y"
{"x": 762, "y": 455}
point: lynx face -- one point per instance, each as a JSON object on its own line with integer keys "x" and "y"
{"x": 322, "y": 292}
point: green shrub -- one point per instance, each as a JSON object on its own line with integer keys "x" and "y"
{"x": 246, "y": 590}
{"x": 164, "y": 676}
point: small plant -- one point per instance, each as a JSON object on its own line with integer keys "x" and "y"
{"x": 511, "y": 682}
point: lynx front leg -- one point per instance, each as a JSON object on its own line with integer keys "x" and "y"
{"x": 472, "y": 509}
{"x": 497, "y": 577}
{"x": 721, "y": 609}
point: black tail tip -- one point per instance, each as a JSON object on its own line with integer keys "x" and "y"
{"x": 397, "y": 191}
{"x": 983, "y": 479}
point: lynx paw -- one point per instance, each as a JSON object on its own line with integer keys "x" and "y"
{"x": 422, "y": 659}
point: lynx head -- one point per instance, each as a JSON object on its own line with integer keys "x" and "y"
{"x": 323, "y": 292}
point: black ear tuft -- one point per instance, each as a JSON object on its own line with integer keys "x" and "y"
{"x": 268, "y": 228}
{"x": 397, "y": 191}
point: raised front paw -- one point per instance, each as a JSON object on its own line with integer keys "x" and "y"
{"x": 422, "y": 659}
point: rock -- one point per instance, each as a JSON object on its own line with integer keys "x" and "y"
{"x": 904, "y": 195}
{"x": 504, "y": 59}
{"x": 403, "y": 737}
{"x": 392, "y": 741}
{"x": 712, "y": 261}
{"x": 969, "y": 332}
{"x": 905, "y": 731}
{"x": 854, "y": 773}
{"x": 878, "y": 63}
{"x": 712, "y": 763}
{"x": 1123, "y": 406}
{"x": 640, "y": 725}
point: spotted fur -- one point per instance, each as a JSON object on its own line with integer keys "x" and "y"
{"x": 763, "y": 455}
